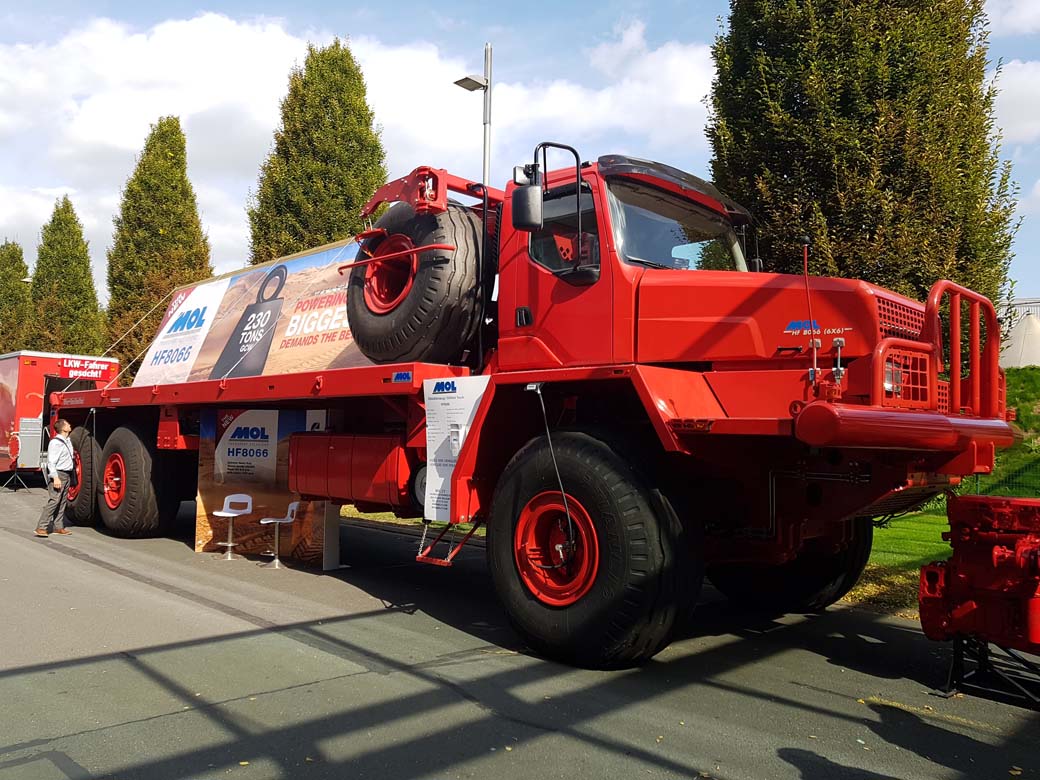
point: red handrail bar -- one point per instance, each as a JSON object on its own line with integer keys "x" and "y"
{"x": 955, "y": 354}
{"x": 399, "y": 255}
{"x": 984, "y": 370}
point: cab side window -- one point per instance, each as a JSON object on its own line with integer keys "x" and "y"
{"x": 557, "y": 246}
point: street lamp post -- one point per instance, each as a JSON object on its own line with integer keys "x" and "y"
{"x": 472, "y": 84}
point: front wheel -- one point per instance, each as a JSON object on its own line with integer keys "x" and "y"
{"x": 597, "y": 574}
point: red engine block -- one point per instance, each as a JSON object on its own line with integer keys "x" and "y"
{"x": 990, "y": 588}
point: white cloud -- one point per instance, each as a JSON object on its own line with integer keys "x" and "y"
{"x": 75, "y": 112}
{"x": 1018, "y": 94}
{"x": 1029, "y": 203}
{"x": 1013, "y": 17}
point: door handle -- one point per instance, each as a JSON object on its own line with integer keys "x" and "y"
{"x": 524, "y": 318}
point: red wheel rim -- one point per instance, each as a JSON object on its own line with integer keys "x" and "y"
{"x": 553, "y": 574}
{"x": 78, "y": 465}
{"x": 114, "y": 484}
{"x": 388, "y": 282}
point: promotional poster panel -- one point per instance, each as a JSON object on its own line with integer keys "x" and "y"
{"x": 247, "y": 451}
{"x": 284, "y": 317}
{"x": 451, "y": 405}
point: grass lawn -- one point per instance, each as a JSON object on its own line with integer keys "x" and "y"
{"x": 890, "y": 582}
{"x": 349, "y": 511}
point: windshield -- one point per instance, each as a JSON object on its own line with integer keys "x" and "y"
{"x": 654, "y": 228}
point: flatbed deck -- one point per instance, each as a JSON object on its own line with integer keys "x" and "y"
{"x": 391, "y": 379}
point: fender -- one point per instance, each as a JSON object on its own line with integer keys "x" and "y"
{"x": 676, "y": 401}
{"x": 467, "y": 500}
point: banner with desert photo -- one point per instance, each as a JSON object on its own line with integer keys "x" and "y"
{"x": 282, "y": 317}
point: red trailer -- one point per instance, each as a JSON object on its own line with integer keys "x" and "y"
{"x": 640, "y": 406}
{"x": 26, "y": 380}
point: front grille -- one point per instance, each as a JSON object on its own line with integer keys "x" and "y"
{"x": 897, "y": 320}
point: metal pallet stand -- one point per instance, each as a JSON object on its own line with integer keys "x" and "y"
{"x": 975, "y": 667}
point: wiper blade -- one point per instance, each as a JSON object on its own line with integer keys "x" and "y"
{"x": 650, "y": 263}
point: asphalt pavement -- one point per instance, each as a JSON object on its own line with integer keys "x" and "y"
{"x": 142, "y": 659}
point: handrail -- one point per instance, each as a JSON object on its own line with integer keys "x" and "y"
{"x": 983, "y": 364}
{"x": 399, "y": 255}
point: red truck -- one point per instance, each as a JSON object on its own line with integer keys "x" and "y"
{"x": 657, "y": 409}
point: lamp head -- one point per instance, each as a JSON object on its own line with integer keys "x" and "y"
{"x": 472, "y": 83}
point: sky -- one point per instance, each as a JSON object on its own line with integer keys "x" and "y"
{"x": 80, "y": 85}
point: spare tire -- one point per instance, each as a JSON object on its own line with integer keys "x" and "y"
{"x": 422, "y": 307}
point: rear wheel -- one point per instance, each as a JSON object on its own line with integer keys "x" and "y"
{"x": 603, "y": 587}
{"x": 82, "y": 499}
{"x": 810, "y": 583}
{"x": 127, "y": 501}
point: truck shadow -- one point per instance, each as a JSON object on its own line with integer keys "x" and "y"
{"x": 463, "y": 597}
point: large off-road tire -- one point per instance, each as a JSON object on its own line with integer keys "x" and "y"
{"x": 810, "y": 583}
{"x": 616, "y": 601}
{"x": 423, "y": 307}
{"x": 127, "y": 500}
{"x": 81, "y": 508}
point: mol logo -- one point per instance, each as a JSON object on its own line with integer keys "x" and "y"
{"x": 189, "y": 320}
{"x": 444, "y": 387}
{"x": 249, "y": 433}
{"x": 795, "y": 327}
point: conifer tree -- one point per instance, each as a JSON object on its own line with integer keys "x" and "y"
{"x": 326, "y": 162}
{"x": 866, "y": 125}
{"x": 15, "y": 300}
{"x": 158, "y": 243}
{"x": 65, "y": 317}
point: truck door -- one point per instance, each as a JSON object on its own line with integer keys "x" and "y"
{"x": 561, "y": 308}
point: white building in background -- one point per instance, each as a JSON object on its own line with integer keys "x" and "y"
{"x": 1023, "y": 306}
{"x": 1022, "y": 345}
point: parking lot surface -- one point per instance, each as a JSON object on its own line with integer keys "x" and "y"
{"x": 141, "y": 659}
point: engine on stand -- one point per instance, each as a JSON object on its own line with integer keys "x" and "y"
{"x": 987, "y": 595}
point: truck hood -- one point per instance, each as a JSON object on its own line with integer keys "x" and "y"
{"x": 712, "y": 316}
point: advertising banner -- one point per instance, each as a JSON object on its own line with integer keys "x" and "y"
{"x": 450, "y": 407}
{"x": 246, "y": 451}
{"x": 283, "y": 317}
{"x": 184, "y": 327}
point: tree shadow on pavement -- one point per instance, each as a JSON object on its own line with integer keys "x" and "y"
{"x": 957, "y": 751}
{"x": 813, "y": 766}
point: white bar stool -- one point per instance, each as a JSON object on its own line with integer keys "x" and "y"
{"x": 290, "y": 516}
{"x": 235, "y": 505}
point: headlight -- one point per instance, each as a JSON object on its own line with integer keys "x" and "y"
{"x": 893, "y": 377}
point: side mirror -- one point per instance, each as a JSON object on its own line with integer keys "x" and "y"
{"x": 527, "y": 207}
{"x": 580, "y": 276}
{"x": 755, "y": 264}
